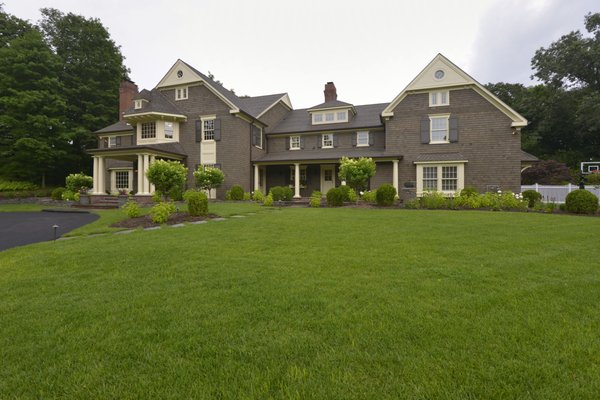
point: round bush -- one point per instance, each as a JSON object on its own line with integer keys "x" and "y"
{"x": 315, "y": 199}
{"x": 258, "y": 196}
{"x": 532, "y": 197}
{"x": 348, "y": 193}
{"x": 581, "y": 201}
{"x": 236, "y": 193}
{"x": 281, "y": 193}
{"x": 132, "y": 209}
{"x": 197, "y": 202}
{"x": 79, "y": 182}
{"x": 385, "y": 196}
{"x": 57, "y": 193}
{"x": 268, "y": 201}
{"x": 335, "y": 197}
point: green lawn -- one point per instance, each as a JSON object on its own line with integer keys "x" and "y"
{"x": 309, "y": 304}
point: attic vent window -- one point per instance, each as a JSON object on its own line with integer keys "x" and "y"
{"x": 439, "y": 74}
{"x": 137, "y": 104}
{"x": 179, "y": 74}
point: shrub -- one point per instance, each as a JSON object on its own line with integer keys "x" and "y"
{"x": 348, "y": 193}
{"x": 157, "y": 196}
{"x": 167, "y": 175}
{"x": 268, "y": 200}
{"x": 511, "y": 201}
{"x": 472, "y": 202}
{"x": 281, "y": 193}
{"x": 132, "y": 209}
{"x": 593, "y": 179}
{"x": 581, "y": 201}
{"x": 469, "y": 191}
{"x": 258, "y": 196}
{"x": 335, "y": 197}
{"x": 547, "y": 172}
{"x": 57, "y": 193}
{"x": 532, "y": 197}
{"x": 369, "y": 196}
{"x": 68, "y": 195}
{"x": 12, "y": 186}
{"x": 434, "y": 200}
{"x": 160, "y": 212}
{"x": 385, "y": 196}
{"x": 176, "y": 193}
{"x": 208, "y": 178}
{"x": 315, "y": 199}
{"x": 79, "y": 182}
{"x": 235, "y": 193}
{"x": 356, "y": 171}
{"x": 413, "y": 204}
{"x": 197, "y": 202}
{"x": 247, "y": 196}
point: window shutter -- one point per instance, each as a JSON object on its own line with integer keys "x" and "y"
{"x": 371, "y": 139}
{"x": 354, "y": 139}
{"x": 425, "y": 130}
{"x": 253, "y": 134}
{"x": 288, "y": 139}
{"x": 335, "y": 140}
{"x": 453, "y": 125}
{"x": 301, "y": 142}
{"x": 198, "y": 130}
{"x": 118, "y": 140}
{"x": 319, "y": 141}
{"x": 217, "y": 129}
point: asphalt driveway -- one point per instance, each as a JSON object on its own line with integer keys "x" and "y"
{"x": 21, "y": 228}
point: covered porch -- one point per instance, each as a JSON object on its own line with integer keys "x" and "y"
{"x": 124, "y": 169}
{"x": 308, "y": 175}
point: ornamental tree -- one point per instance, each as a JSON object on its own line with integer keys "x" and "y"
{"x": 167, "y": 175}
{"x": 208, "y": 178}
{"x": 357, "y": 171}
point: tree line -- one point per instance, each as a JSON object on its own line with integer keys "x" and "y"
{"x": 59, "y": 82}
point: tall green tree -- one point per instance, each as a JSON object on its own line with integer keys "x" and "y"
{"x": 32, "y": 132}
{"x": 92, "y": 69}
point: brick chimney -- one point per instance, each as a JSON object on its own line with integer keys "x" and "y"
{"x": 127, "y": 91}
{"x": 330, "y": 92}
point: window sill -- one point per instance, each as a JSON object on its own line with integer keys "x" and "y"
{"x": 294, "y": 148}
{"x": 327, "y": 147}
{"x": 444, "y": 142}
{"x": 362, "y": 145}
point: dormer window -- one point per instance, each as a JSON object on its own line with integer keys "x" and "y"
{"x": 342, "y": 116}
{"x": 329, "y": 117}
{"x": 137, "y": 104}
{"x": 181, "y": 93}
{"x": 441, "y": 98}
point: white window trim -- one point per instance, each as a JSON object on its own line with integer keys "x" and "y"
{"x": 438, "y": 95}
{"x": 323, "y": 141}
{"x": 113, "y": 179}
{"x": 335, "y": 117}
{"x": 172, "y": 130}
{"x": 292, "y": 142}
{"x": 260, "y": 144}
{"x": 137, "y": 104}
{"x": 302, "y": 172}
{"x": 153, "y": 138}
{"x": 357, "y": 136}
{"x": 109, "y": 141}
{"x": 436, "y": 116}
{"x": 207, "y": 118}
{"x": 460, "y": 172}
{"x": 183, "y": 90}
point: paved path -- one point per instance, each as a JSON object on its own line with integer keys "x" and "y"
{"x": 21, "y": 228}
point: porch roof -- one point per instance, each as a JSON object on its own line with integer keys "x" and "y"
{"x": 526, "y": 157}
{"x": 326, "y": 154}
{"x": 121, "y": 126}
{"x": 167, "y": 149}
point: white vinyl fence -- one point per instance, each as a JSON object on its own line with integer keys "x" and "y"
{"x": 557, "y": 194}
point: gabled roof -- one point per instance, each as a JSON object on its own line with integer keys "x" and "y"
{"x": 331, "y": 104}
{"x": 300, "y": 121}
{"x": 329, "y": 154}
{"x": 525, "y": 156}
{"x": 121, "y": 126}
{"x": 157, "y": 103}
{"x": 253, "y": 106}
{"x": 453, "y": 77}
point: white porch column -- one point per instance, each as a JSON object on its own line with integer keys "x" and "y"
{"x": 140, "y": 175}
{"x": 152, "y": 188}
{"x": 256, "y": 178}
{"x": 95, "y": 189}
{"x": 101, "y": 178}
{"x": 395, "y": 176}
{"x": 297, "y": 180}
{"x": 145, "y": 178}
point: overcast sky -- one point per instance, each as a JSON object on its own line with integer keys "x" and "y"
{"x": 370, "y": 49}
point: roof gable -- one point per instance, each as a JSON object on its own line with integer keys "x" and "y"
{"x": 172, "y": 78}
{"x": 453, "y": 76}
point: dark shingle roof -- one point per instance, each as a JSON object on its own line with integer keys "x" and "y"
{"x": 171, "y": 148}
{"x": 440, "y": 157}
{"x": 120, "y": 126}
{"x": 157, "y": 102}
{"x": 331, "y": 104}
{"x": 298, "y": 121}
{"x": 525, "y": 156}
{"x": 258, "y": 104}
{"x": 324, "y": 154}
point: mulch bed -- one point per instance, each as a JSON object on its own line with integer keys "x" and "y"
{"x": 146, "y": 220}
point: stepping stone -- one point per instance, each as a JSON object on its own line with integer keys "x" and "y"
{"x": 198, "y": 222}
{"x": 219, "y": 219}
{"x": 251, "y": 213}
{"x": 124, "y": 232}
{"x": 238, "y": 216}
{"x": 66, "y": 238}
{"x": 152, "y": 228}
{"x": 177, "y": 225}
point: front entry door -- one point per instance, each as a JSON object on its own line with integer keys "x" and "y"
{"x": 327, "y": 178}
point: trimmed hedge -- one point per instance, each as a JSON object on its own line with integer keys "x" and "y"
{"x": 385, "y": 196}
{"x": 197, "y": 203}
{"x": 281, "y": 193}
{"x": 532, "y": 197}
{"x": 581, "y": 201}
{"x": 335, "y": 197}
{"x": 235, "y": 193}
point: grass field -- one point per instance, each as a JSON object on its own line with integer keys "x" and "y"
{"x": 309, "y": 304}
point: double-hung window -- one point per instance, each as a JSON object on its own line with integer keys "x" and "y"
{"x": 148, "y": 130}
{"x": 181, "y": 93}
{"x": 441, "y": 98}
{"x": 362, "y": 138}
{"x": 327, "y": 140}
{"x": 439, "y": 129}
{"x": 168, "y": 130}
{"x": 208, "y": 129}
{"x": 294, "y": 142}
